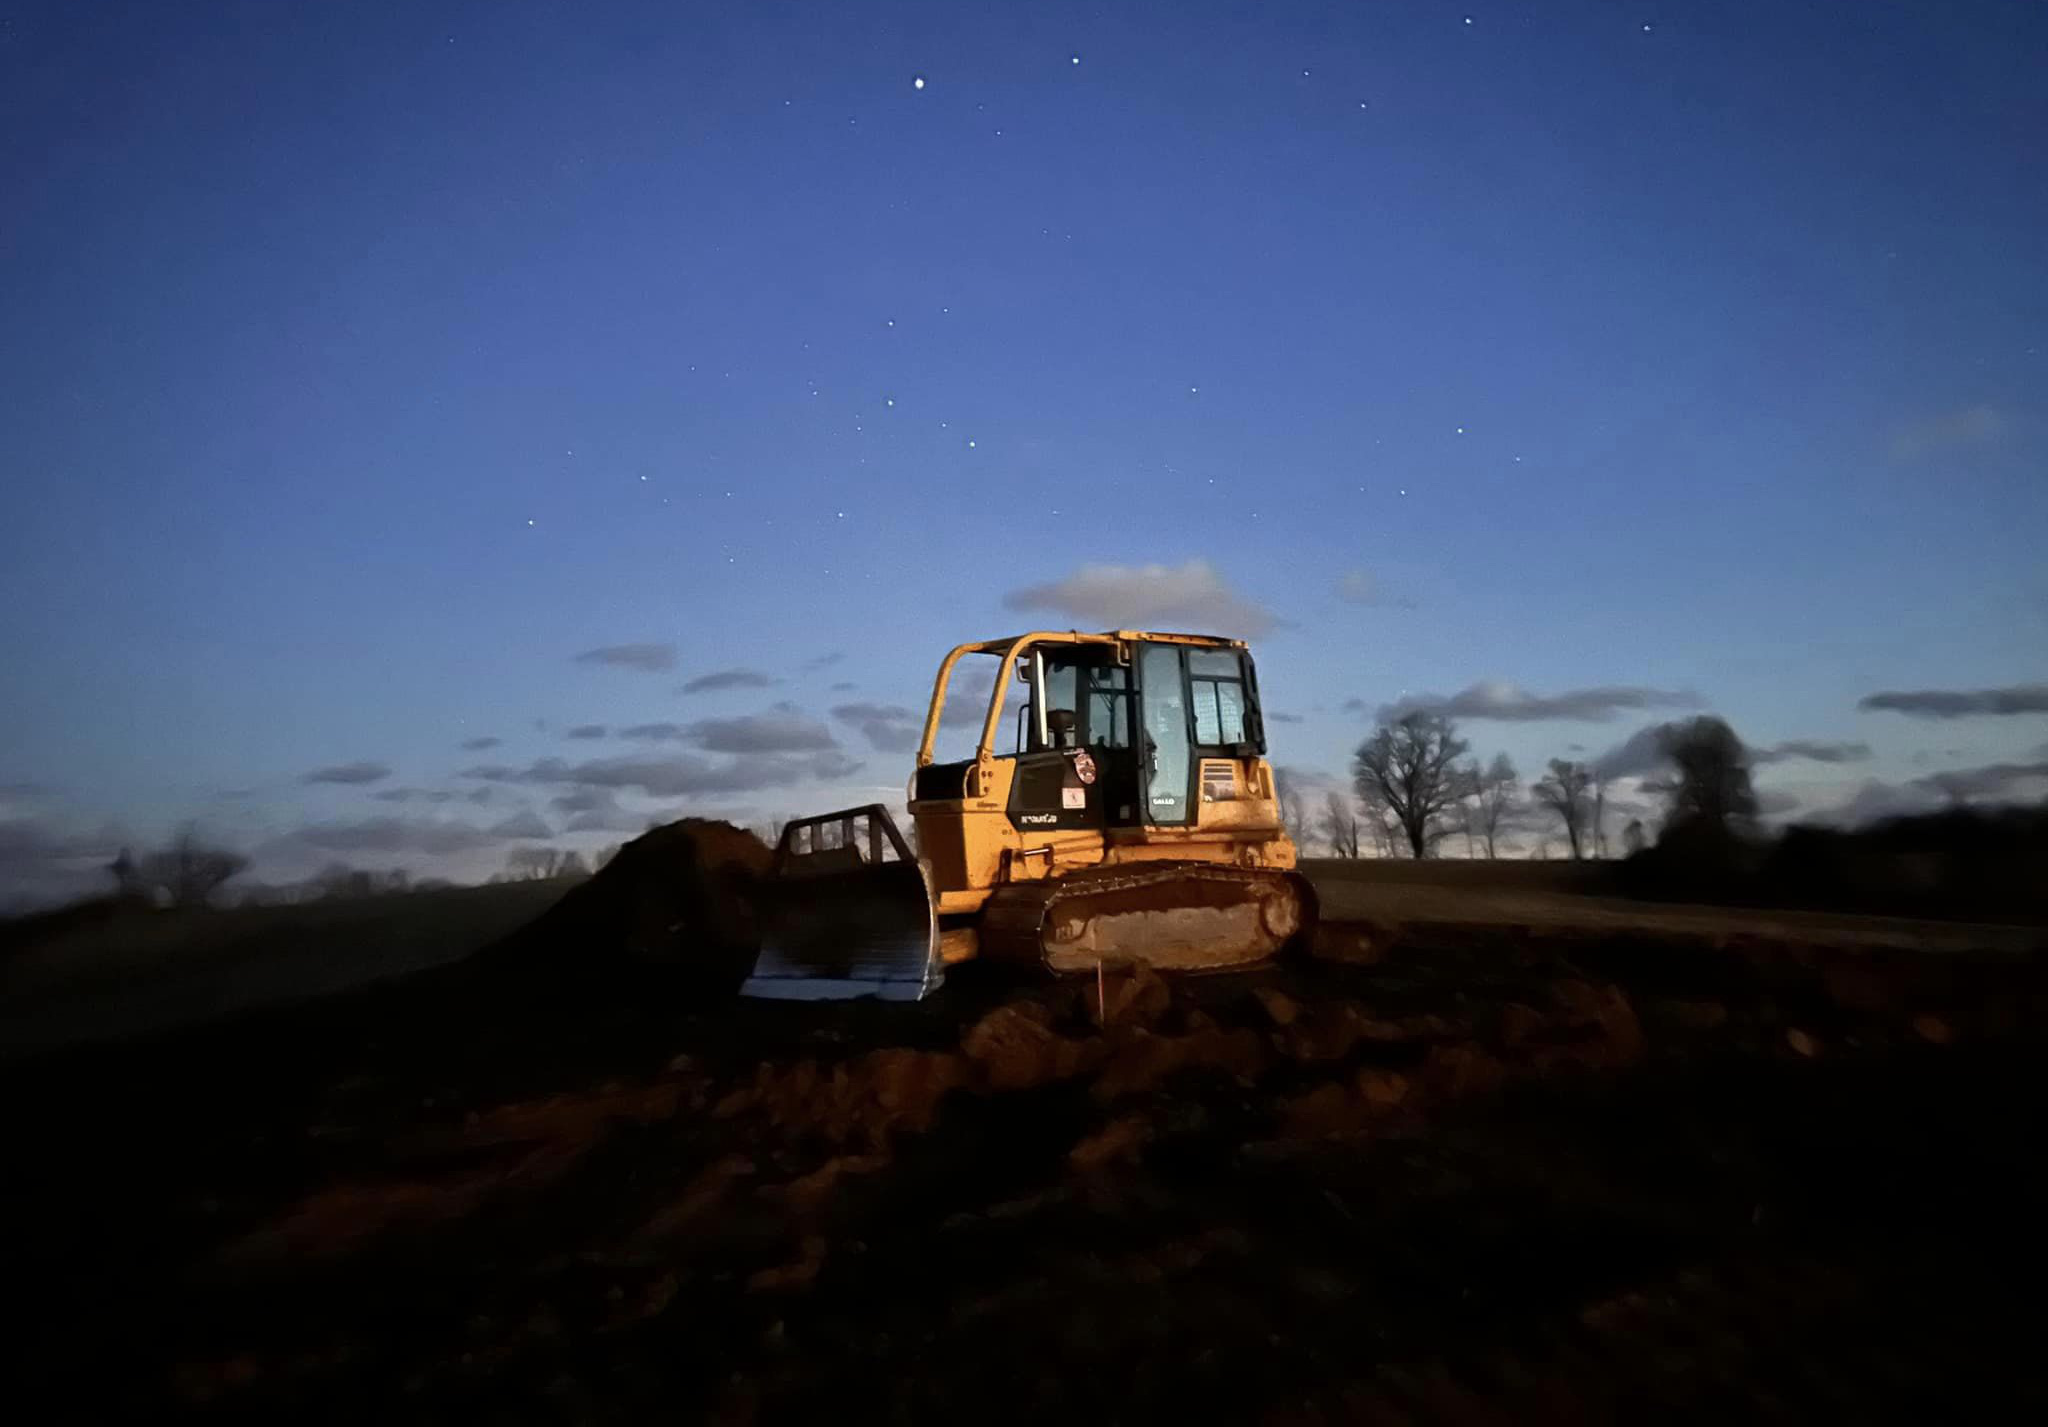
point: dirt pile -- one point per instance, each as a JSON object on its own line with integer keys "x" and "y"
{"x": 678, "y": 899}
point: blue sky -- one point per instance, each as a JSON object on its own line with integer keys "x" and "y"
{"x": 363, "y": 366}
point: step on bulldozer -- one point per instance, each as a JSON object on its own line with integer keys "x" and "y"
{"x": 1132, "y": 819}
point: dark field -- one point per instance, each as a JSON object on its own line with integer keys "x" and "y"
{"x": 1475, "y": 1161}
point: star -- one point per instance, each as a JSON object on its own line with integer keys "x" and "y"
{"x": 1076, "y": 59}
{"x": 917, "y": 82}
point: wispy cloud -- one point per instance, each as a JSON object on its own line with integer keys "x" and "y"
{"x": 727, "y": 679}
{"x": 1993, "y": 782}
{"x": 888, "y": 728}
{"x": 363, "y": 772}
{"x": 1510, "y": 703}
{"x": 782, "y": 729}
{"x": 526, "y": 826}
{"x": 1812, "y": 750}
{"x": 1947, "y": 431}
{"x": 650, "y": 658}
{"x": 653, "y": 732}
{"x": 478, "y": 745}
{"x": 1959, "y": 703}
{"x": 1362, "y": 587}
{"x": 586, "y": 731}
{"x": 1191, "y": 598}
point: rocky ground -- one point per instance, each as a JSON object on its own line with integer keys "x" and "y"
{"x": 1489, "y": 1176}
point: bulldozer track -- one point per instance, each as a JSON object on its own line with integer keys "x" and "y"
{"x": 1021, "y": 919}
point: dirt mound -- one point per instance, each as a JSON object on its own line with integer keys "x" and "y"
{"x": 679, "y": 898}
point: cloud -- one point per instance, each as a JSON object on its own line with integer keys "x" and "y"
{"x": 1875, "y": 801}
{"x": 782, "y": 729}
{"x": 889, "y": 728}
{"x": 491, "y": 773}
{"x": 1959, "y": 703}
{"x": 1965, "y": 427}
{"x": 823, "y": 661}
{"x": 727, "y": 679}
{"x": 844, "y": 686}
{"x": 1774, "y": 802}
{"x": 412, "y": 795}
{"x": 586, "y": 730}
{"x": 649, "y": 658}
{"x": 1510, "y": 703}
{"x": 688, "y": 775}
{"x": 597, "y": 810}
{"x": 1353, "y": 706}
{"x": 653, "y": 732}
{"x": 1994, "y": 782}
{"x": 525, "y": 826}
{"x": 967, "y": 697}
{"x": 1812, "y": 751}
{"x": 478, "y": 745}
{"x": 395, "y": 835}
{"x": 1642, "y": 752}
{"x": 42, "y": 862}
{"x": 1192, "y": 597}
{"x": 1362, "y": 587}
{"x": 1273, "y": 716}
{"x": 364, "y": 772}
{"x": 1309, "y": 782}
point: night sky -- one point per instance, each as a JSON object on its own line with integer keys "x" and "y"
{"x": 394, "y": 396}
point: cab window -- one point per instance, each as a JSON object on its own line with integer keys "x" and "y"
{"x": 1216, "y": 682}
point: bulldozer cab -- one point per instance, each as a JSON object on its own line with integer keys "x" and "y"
{"x": 1144, "y": 712}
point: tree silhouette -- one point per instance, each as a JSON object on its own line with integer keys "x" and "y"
{"x": 188, "y": 872}
{"x": 1563, "y": 791}
{"x": 1340, "y": 824}
{"x": 1497, "y": 787}
{"x": 1294, "y": 815}
{"x": 1407, "y": 766}
{"x": 1712, "y": 789}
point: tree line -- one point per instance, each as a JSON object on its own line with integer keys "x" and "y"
{"x": 1413, "y": 788}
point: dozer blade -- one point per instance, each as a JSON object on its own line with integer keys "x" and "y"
{"x": 846, "y": 913}
{"x": 1172, "y": 916}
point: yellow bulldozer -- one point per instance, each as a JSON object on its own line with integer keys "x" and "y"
{"x": 1127, "y": 814}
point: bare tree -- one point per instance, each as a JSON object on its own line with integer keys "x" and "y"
{"x": 1633, "y": 838}
{"x": 1497, "y": 798}
{"x": 1293, "y": 806}
{"x": 572, "y": 865}
{"x": 1465, "y": 811}
{"x": 1340, "y": 824}
{"x": 532, "y": 864}
{"x": 1599, "y": 813}
{"x": 188, "y": 872}
{"x": 1563, "y": 791}
{"x": 1379, "y": 824}
{"x": 1408, "y": 766}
